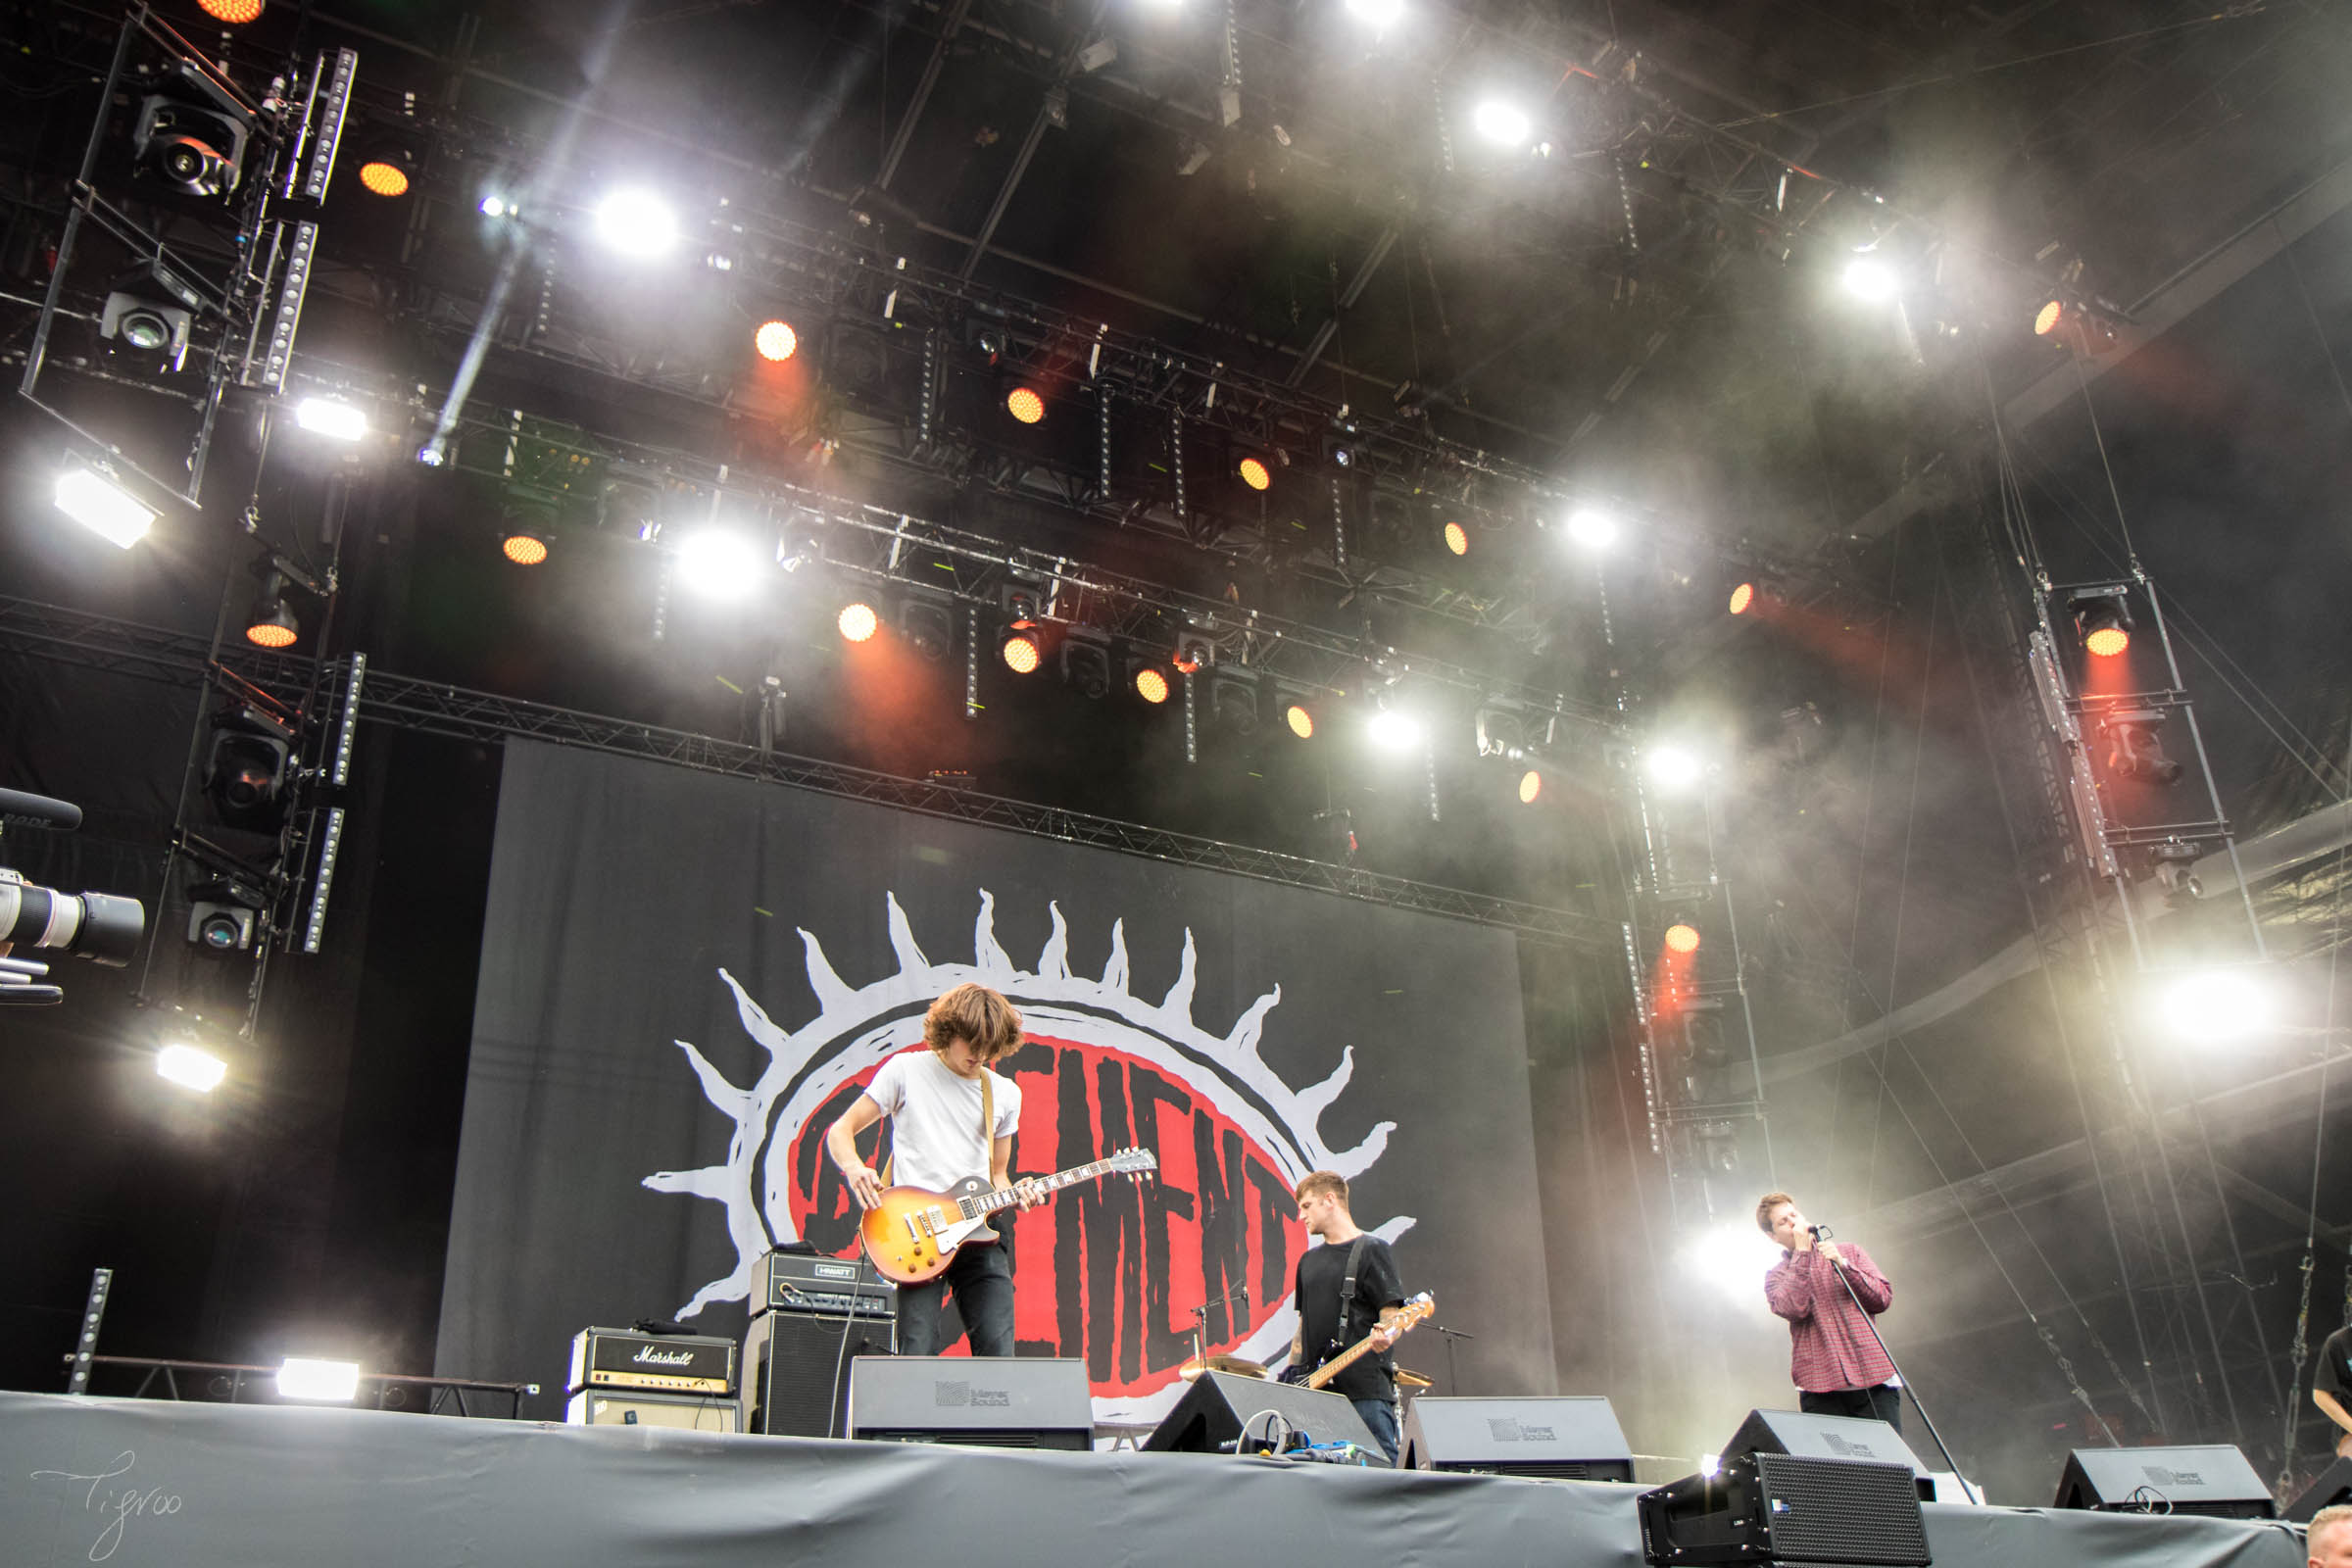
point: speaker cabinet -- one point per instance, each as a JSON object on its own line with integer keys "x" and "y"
{"x": 2333, "y": 1487}
{"x": 1785, "y": 1509}
{"x": 797, "y": 1371}
{"x": 1820, "y": 1436}
{"x": 984, "y": 1401}
{"x": 2215, "y": 1481}
{"x": 1209, "y": 1416}
{"x": 621, "y": 1407}
{"x": 1570, "y": 1438}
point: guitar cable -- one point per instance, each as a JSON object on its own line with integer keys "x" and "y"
{"x": 840, "y": 1352}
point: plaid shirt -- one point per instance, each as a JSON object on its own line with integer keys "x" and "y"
{"x": 1829, "y": 1342}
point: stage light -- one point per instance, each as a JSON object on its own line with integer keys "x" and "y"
{"x": 222, "y": 918}
{"x": 1742, "y": 598}
{"x": 1085, "y": 668}
{"x": 1458, "y": 539}
{"x": 525, "y": 547}
{"x": 1733, "y": 1257}
{"x": 1591, "y": 528}
{"x": 1682, "y": 937}
{"x": 775, "y": 341}
{"x": 103, "y": 507}
{"x": 190, "y": 1067}
{"x": 236, "y": 13}
{"x": 1672, "y": 767}
{"x": 1254, "y": 473}
{"x": 1377, "y": 14}
{"x": 1301, "y": 720}
{"x": 2050, "y": 318}
{"x": 1501, "y": 123}
{"x": 1193, "y": 652}
{"x": 636, "y": 223}
{"x": 2218, "y": 1005}
{"x": 386, "y": 172}
{"x": 191, "y": 134}
{"x": 272, "y": 624}
{"x": 497, "y": 206}
{"x": 1395, "y": 730}
{"x": 1152, "y": 684}
{"x": 1233, "y": 704}
{"x": 1025, "y": 405}
{"x": 929, "y": 628}
{"x": 1021, "y": 653}
{"x": 1710, "y": 1464}
{"x": 2102, "y": 621}
{"x": 145, "y": 325}
{"x": 719, "y": 563}
{"x": 1531, "y": 787}
{"x": 248, "y": 774}
{"x": 858, "y": 622}
{"x": 1871, "y": 279}
{"x": 323, "y": 1382}
{"x": 332, "y": 419}
{"x": 2135, "y": 748}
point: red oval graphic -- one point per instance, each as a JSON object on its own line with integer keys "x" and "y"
{"x": 1109, "y": 1271}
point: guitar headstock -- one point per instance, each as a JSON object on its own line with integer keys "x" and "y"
{"x": 1133, "y": 1161}
{"x": 1418, "y": 1309}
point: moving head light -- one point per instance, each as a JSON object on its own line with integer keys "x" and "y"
{"x": 191, "y": 133}
{"x": 98, "y": 927}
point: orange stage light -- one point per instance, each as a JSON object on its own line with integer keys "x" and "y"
{"x": 1458, "y": 539}
{"x": 1254, "y": 473}
{"x": 2107, "y": 641}
{"x": 1021, "y": 654}
{"x": 1681, "y": 938}
{"x": 269, "y": 633}
{"x": 1025, "y": 405}
{"x": 381, "y": 176}
{"x": 1301, "y": 722}
{"x": 1741, "y": 597}
{"x": 775, "y": 341}
{"x": 524, "y": 549}
{"x": 858, "y": 622}
{"x": 235, "y": 12}
{"x": 1152, "y": 684}
{"x": 2047, "y": 318}
{"x": 1531, "y": 787}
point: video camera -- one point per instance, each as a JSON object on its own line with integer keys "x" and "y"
{"x": 101, "y": 927}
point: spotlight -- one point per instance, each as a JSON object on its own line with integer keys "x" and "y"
{"x": 1233, "y": 704}
{"x": 1733, "y": 1259}
{"x": 1254, "y": 473}
{"x": 2048, "y": 318}
{"x": 236, "y": 13}
{"x": 1301, "y": 720}
{"x": 1021, "y": 653}
{"x": 249, "y": 774}
{"x": 1743, "y": 598}
{"x": 1377, "y": 14}
{"x": 1673, "y": 769}
{"x": 636, "y": 223}
{"x": 1682, "y": 937}
{"x": 189, "y": 1067}
{"x": 191, "y": 134}
{"x": 2134, "y": 748}
{"x": 2217, "y": 1005}
{"x": 928, "y": 628}
{"x": 1458, "y": 539}
{"x": 272, "y": 624}
{"x": 1395, "y": 730}
{"x": 388, "y": 170}
{"x": 331, "y": 417}
{"x": 324, "y": 1381}
{"x": 2103, "y": 620}
{"x": 1193, "y": 652}
{"x": 497, "y": 206}
{"x": 1085, "y": 668}
{"x": 1870, "y": 278}
{"x": 146, "y": 324}
{"x": 1592, "y": 529}
{"x": 1501, "y": 123}
{"x": 525, "y": 547}
{"x": 719, "y": 563}
{"x": 93, "y": 500}
{"x": 1152, "y": 684}
{"x": 858, "y": 622}
{"x": 775, "y": 341}
{"x": 1531, "y": 787}
{"x": 1024, "y": 404}
{"x": 222, "y": 916}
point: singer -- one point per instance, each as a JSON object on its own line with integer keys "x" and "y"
{"x": 1833, "y": 1358}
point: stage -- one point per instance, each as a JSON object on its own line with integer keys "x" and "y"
{"x": 134, "y": 1482}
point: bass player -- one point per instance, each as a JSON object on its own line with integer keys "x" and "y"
{"x": 951, "y": 1116}
{"x": 1346, "y": 1290}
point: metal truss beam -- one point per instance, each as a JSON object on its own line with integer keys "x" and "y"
{"x": 49, "y": 631}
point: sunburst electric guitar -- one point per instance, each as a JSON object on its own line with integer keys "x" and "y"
{"x": 912, "y": 1231}
{"x": 1414, "y": 1310}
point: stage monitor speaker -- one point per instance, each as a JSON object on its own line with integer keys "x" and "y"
{"x": 1820, "y": 1436}
{"x": 984, "y": 1401}
{"x": 1209, "y": 1416}
{"x": 2214, "y": 1481}
{"x": 1568, "y": 1439}
{"x": 1786, "y": 1508}
{"x": 797, "y": 1371}
{"x": 2333, "y": 1487}
{"x": 626, "y": 1407}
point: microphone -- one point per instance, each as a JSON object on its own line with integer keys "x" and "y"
{"x": 1820, "y": 1233}
{"x": 37, "y": 810}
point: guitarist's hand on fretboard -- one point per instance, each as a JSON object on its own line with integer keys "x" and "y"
{"x": 1029, "y": 1191}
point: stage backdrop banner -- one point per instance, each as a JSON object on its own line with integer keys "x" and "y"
{"x": 685, "y": 978}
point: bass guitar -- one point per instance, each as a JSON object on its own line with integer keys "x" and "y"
{"x": 1413, "y": 1311}
{"x": 912, "y": 1231}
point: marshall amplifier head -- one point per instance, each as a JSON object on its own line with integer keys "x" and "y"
{"x": 802, "y": 1282}
{"x": 667, "y": 1363}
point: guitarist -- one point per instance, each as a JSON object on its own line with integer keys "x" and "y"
{"x": 1346, "y": 1290}
{"x": 939, "y": 1105}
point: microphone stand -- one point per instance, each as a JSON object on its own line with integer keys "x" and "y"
{"x": 1239, "y": 1293}
{"x": 1453, "y": 1374}
{"x": 1821, "y": 1233}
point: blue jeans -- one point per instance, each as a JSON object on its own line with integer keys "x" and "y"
{"x": 1381, "y": 1417}
{"x": 980, "y": 1278}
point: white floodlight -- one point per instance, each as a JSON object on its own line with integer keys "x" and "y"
{"x": 103, "y": 507}
{"x": 720, "y": 564}
{"x": 326, "y": 1382}
{"x": 1710, "y": 1464}
{"x": 1380, "y": 14}
{"x": 331, "y": 417}
{"x": 1733, "y": 1257}
{"x": 1592, "y": 529}
{"x": 1394, "y": 730}
{"x": 636, "y": 223}
{"x": 1672, "y": 767}
{"x": 1505, "y": 125}
{"x": 2218, "y": 1005}
{"x": 190, "y": 1067}
{"x": 1870, "y": 278}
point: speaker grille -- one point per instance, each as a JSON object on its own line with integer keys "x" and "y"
{"x": 794, "y": 1383}
{"x": 1841, "y": 1511}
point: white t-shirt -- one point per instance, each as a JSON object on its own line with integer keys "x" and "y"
{"x": 935, "y": 1120}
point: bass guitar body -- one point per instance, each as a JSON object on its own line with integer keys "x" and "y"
{"x": 912, "y": 1231}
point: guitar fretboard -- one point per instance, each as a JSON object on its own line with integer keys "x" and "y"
{"x": 990, "y": 1202}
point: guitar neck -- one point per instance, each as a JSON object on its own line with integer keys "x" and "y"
{"x": 990, "y": 1202}
{"x": 1337, "y": 1363}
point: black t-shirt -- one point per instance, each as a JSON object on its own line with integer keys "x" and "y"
{"x": 1377, "y": 1284}
{"x": 2333, "y": 1372}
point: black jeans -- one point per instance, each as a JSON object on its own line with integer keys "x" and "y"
{"x": 980, "y": 1278}
{"x": 1884, "y": 1403}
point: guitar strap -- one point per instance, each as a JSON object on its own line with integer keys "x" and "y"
{"x": 1355, "y": 1258}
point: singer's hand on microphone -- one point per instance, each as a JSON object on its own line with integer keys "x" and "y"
{"x": 1829, "y": 1249}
